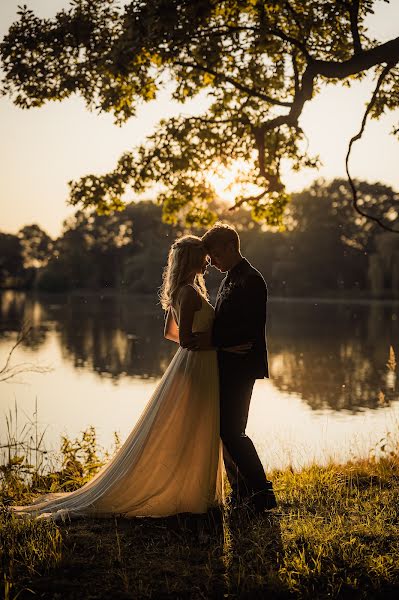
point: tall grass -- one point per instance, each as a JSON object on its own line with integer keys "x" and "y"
{"x": 27, "y": 470}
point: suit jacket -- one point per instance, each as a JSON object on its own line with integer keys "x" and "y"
{"x": 240, "y": 316}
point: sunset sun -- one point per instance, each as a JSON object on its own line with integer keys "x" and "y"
{"x": 232, "y": 183}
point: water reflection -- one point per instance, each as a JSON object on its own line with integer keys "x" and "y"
{"x": 332, "y": 355}
{"x": 112, "y": 335}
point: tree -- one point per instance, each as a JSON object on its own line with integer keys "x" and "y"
{"x": 327, "y": 206}
{"x": 36, "y": 245}
{"x": 326, "y": 246}
{"x": 11, "y": 262}
{"x": 259, "y": 62}
{"x": 330, "y": 238}
{"x": 126, "y": 249}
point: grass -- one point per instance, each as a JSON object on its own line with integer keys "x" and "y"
{"x": 335, "y": 535}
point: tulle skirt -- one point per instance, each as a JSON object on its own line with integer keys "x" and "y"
{"x": 170, "y": 463}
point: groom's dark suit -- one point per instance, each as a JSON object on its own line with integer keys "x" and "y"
{"x": 240, "y": 316}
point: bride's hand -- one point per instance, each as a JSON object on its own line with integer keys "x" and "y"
{"x": 239, "y": 349}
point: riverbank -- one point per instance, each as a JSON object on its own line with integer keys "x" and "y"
{"x": 334, "y": 535}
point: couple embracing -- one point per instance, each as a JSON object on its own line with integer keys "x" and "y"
{"x": 194, "y": 422}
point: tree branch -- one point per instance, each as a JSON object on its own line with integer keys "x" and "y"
{"x": 259, "y": 135}
{"x": 304, "y": 92}
{"x": 354, "y": 18}
{"x": 295, "y": 15}
{"x": 291, "y": 40}
{"x": 384, "y": 53}
{"x": 22, "y": 335}
{"x": 387, "y": 52}
{"x": 236, "y": 84}
{"x": 243, "y": 200}
{"x": 8, "y": 372}
{"x": 296, "y": 74}
{"x": 367, "y": 59}
{"x": 353, "y": 10}
{"x": 216, "y": 121}
{"x": 213, "y": 32}
{"x": 356, "y": 137}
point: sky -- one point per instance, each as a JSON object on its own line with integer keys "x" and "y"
{"x": 43, "y": 148}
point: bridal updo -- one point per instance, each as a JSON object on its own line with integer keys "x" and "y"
{"x": 186, "y": 256}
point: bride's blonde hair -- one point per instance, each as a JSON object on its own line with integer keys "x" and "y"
{"x": 186, "y": 255}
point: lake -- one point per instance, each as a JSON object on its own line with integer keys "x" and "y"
{"x": 330, "y": 392}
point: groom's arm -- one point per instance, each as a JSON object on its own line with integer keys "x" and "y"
{"x": 247, "y": 320}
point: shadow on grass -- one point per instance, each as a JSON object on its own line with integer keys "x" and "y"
{"x": 184, "y": 556}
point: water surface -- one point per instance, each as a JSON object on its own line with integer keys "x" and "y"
{"x": 330, "y": 392}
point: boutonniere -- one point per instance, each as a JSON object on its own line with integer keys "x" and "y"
{"x": 226, "y": 290}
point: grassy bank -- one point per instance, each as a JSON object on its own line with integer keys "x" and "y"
{"x": 335, "y": 535}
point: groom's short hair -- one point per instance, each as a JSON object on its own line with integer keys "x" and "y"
{"x": 221, "y": 234}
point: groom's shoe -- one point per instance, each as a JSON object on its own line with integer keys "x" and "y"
{"x": 265, "y": 500}
{"x": 256, "y": 503}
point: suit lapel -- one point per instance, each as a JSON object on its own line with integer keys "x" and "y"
{"x": 240, "y": 270}
{"x": 218, "y": 296}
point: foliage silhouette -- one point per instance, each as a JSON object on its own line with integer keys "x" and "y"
{"x": 259, "y": 62}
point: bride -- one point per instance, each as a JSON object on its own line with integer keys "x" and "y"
{"x": 172, "y": 461}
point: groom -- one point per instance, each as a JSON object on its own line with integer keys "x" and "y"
{"x": 240, "y": 317}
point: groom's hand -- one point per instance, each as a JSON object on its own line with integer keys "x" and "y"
{"x": 200, "y": 341}
{"x": 187, "y": 342}
{"x": 239, "y": 349}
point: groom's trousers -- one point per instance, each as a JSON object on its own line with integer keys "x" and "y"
{"x": 244, "y": 469}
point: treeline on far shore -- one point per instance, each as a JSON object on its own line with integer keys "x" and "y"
{"x": 325, "y": 249}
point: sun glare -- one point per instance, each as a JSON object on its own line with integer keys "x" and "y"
{"x": 232, "y": 183}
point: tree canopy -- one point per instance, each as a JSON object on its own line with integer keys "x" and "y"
{"x": 259, "y": 62}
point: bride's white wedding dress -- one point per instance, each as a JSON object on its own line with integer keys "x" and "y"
{"x": 171, "y": 462}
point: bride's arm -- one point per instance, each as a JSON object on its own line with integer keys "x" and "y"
{"x": 190, "y": 302}
{"x": 171, "y": 330}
